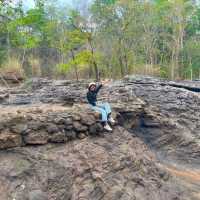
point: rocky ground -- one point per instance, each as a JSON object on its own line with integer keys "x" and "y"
{"x": 54, "y": 147}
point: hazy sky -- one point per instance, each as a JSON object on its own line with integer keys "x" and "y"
{"x": 30, "y": 3}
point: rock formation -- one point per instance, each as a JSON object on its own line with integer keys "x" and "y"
{"x": 171, "y": 120}
{"x": 53, "y": 147}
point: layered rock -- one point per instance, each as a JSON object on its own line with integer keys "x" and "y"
{"x": 113, "y": 166}
{"x": 39, "y": 125}
{"x": 56, "y": 147}
{"x": 171, "y": 121}
{"x": 168, "y": 106}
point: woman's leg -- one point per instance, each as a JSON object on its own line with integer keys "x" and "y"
{"x": 104, "y": 117}
{"x": 105, "y": 106}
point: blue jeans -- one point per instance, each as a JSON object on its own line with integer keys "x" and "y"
{"x": 104, "y": 109}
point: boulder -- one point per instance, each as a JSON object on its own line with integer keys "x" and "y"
{"x": 58, "y": 137}
{"x": 76, "y": 117}
{"x": 59, "y": 120}
{"x": 71, "y": 135}
{"x": 82, "y": 135}
{"x": 10, "y": 140}
{"x": 36, "y": 125}
{"x": 96, "y": 129}
{"x": 88, "y": 120}
{"x": 68, "y": 121}
{"x": 35, "y": 138}
{"x": 19, "y": 128}
{"x": 79, "y": 127}
{"x": 52, "y": 128}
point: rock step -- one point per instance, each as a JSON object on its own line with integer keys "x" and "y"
{"x": 43, "y": 128}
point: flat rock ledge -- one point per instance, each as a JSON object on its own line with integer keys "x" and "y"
{"x": 39, "y": 126}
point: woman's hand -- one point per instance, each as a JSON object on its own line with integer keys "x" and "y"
{"x": 105, "y": 82}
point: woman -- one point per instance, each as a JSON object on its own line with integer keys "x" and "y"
{"x": 103, "y": 108}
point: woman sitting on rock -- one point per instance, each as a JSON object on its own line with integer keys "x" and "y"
{"x": 103, "y": 108}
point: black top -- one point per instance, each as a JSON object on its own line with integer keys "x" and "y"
{"x": 92, "y": 95}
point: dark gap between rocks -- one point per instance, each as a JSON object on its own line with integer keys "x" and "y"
{"x": 162, "y": 139}
{"x": 192, "y": 89}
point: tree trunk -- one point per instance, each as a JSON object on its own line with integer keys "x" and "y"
{"x": 151, "y": 62}
{"x": 121, "y": 66}
{"x": 172, "y": 64}
{"x": 126, "y": 64}
{"x": 75, "y": 66}
{"x": 93, "y": 61}
{"x": 23, "y": 58}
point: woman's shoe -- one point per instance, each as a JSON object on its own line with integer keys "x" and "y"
{"x": 111, "y": 120}
{"x": 107, "y": 127}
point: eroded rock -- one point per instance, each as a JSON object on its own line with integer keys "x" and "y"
{"x": 116, "y": 166}
{"x": 10, "y": 140}
{"x": 68, "y": 162}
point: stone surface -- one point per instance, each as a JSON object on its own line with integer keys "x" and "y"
{"x": 39, "y": 137}
{"x": 37, "y": 195}
{"x": 9, "y": 140}
{"x": 58, "y": 137}
{"x": 53, "y": 145}
{"x": 95, "y": 129}
{"x": 79, "y": 127}
{"x": 34, "y": 127}
{"x": 116, "y": 166}
{"x": 171, "y": 118}
{"x": 52, "y": 128}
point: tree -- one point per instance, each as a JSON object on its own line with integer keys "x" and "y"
{"x": 110, "y": 38}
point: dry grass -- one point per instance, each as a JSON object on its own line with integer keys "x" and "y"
{"x": 12, "y": 66}
{"x": 35, "y": 66}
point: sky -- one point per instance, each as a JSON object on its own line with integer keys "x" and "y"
{"x": 30, "y": 3}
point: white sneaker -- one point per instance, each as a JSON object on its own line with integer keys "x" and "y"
{"x": 107, "y": 127}
{"x": 111, "y": 120}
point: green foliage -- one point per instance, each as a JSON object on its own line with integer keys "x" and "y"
{"x": 115, "y": 38}
{"x": 63, "y": 68}
{"x": 82, "y": 60}
{"x": 26, "y": 31}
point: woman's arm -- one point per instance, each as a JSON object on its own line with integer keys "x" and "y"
{"x": 98, "y": 87}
